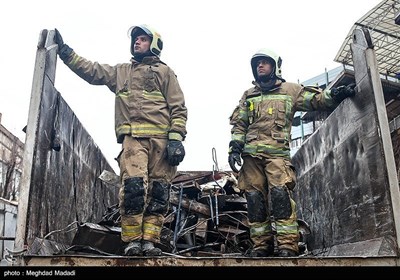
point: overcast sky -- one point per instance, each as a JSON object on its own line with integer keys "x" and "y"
{"x": 207, "y": 43}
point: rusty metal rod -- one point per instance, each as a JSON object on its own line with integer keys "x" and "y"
{"x": 178, "y": 217}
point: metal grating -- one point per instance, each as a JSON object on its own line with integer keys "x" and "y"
{"x": 385, "y": 34}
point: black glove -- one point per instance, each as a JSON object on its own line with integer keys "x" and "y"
{"x": 340, "y": 93}
{"x": 235, "y": 149}
{"x": 63, "y": 49}
{"x": 175, "y": 152}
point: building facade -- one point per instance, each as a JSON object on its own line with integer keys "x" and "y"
{"x": 11, "y": 155}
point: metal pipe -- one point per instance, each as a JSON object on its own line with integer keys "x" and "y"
{"x": 216, "y": 210}
{"x": 178, "y": 217}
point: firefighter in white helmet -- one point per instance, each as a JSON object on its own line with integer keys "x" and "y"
{"x": 261, "y": 126}
{"x": 150, "y": 123}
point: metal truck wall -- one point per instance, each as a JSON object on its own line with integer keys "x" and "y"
{"x": 346, "y": 189}
{"x": 62, "y": 163}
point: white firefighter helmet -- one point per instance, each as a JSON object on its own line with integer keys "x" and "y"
{"x": 270, "y": 55}
{"x": 156, "y": 42}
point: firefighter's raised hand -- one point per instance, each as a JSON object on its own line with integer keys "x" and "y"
{"x": 63, "y": 49}
{"x": 58, "y": 38}
{"x": 342, "y": 92}
{"x": 175, "y": 152}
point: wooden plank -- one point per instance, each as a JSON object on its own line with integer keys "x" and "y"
{"x": 190, "y": 205}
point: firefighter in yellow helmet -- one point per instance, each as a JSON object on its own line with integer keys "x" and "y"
{"x": 261, "y": 126}
{"x": 150, "y": 123}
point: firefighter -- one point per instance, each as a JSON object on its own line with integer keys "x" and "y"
{"x": 261, "y": 126}
{"x": 150, "y": 123}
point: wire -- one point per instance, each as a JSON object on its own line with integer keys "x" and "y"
{"x": 60, "y": 230}
{"x": 214, "y": 157}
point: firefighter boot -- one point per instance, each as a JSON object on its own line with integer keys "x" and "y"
{"x": 286, "y": 253}
{"x": 134, "y": 248}
{"x": 260, "y": 252}
{"x": 150, "y": 250}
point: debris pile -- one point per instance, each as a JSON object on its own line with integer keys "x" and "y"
{"x": 207, "y": 216}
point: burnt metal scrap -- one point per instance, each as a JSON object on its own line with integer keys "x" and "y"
{"x": 207, "y": 216}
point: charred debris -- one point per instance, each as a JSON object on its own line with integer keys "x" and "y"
{"x": 207, "y": 217}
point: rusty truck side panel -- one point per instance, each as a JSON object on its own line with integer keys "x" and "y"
{"x": 347, "y": 187}
{"x": 62, "y": 163}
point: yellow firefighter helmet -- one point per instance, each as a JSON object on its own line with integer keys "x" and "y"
{"x": 269, "y": 55}
{"x": 156, "y": 42}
